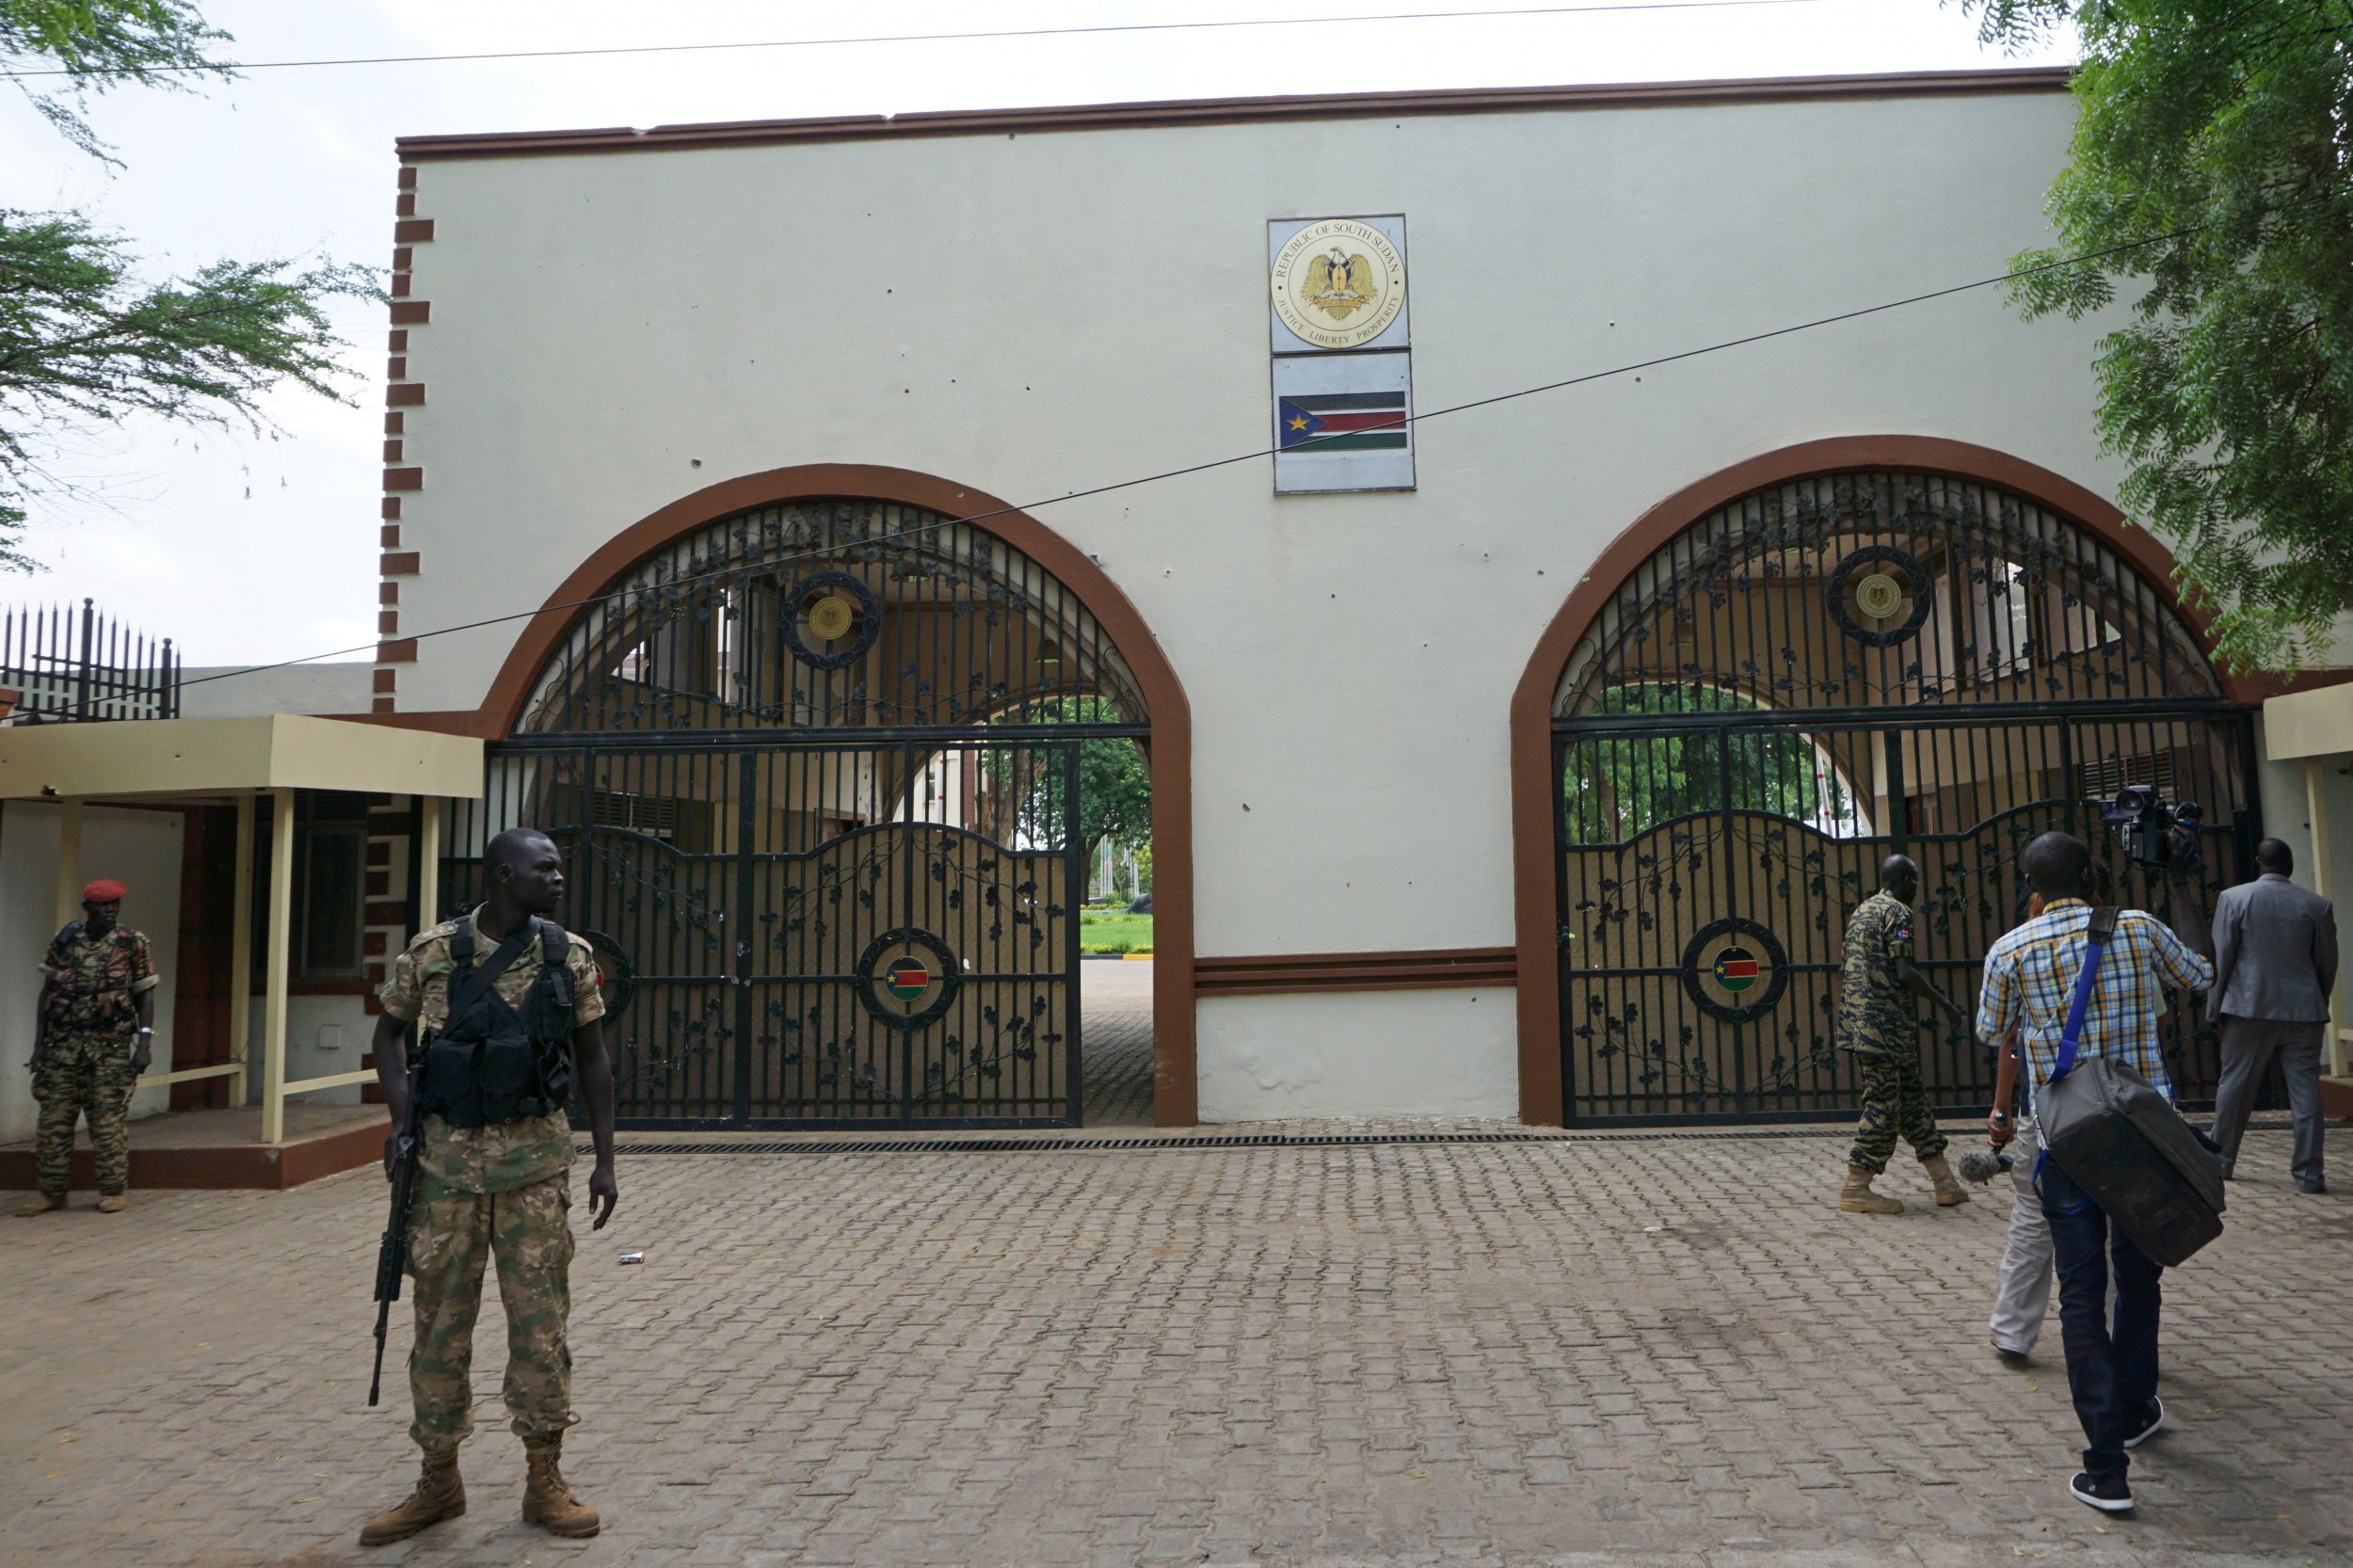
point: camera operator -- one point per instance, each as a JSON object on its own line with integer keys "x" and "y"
{"x": 2030, "y": 977}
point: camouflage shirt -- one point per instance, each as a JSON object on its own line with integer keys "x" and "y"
{"x": 1877, "y": 1016}
{"x": 499, "y": 1157}
{"x": 91, "y": 984}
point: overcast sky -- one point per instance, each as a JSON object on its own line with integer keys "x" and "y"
{"x": 248, "y": 548}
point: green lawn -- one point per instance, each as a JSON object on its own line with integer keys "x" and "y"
{"x": 1113, "y": 931}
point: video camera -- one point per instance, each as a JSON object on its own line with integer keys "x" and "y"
{"x": 2155, "y": 835}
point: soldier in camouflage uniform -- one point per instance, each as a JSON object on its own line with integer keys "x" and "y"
{"x": 501, "y": 1190}
{"x": 94, "y": 1036}
{"x": 1879, "y": 1023}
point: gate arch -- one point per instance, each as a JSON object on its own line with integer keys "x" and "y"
{"x": 803, "y": 704}
{"x": 1788, "y": 671}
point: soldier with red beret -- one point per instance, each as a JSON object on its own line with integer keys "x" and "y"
{"x": 94, "y": 1037}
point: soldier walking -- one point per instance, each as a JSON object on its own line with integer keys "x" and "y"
{"x": 508, "y": 1004}
{"x": 1879, "y": 1024}
{"x": 94, "y": 1035}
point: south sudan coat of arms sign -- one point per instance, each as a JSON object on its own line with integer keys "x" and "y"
{"x": 1339, "y": 284}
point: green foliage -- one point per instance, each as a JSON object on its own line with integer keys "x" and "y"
{"x": 1616, "y": 788}
{"x": 1115, "y": 785}
{"x": 2218, "y": 129}
{"x": 84, "y": 342}
{"x": 102, "y": 44}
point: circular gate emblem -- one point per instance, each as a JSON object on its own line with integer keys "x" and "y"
{"x": 1339, "y": 284}
{"x": 831, "y": 618}
{"x": 907, "y": 977}
{"x": 1734, "y": 970}
{"x": 616, "y": 975}
{"x": 1879, "y": 595}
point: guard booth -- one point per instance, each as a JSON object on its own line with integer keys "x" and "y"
{"x": 77, "y": 798}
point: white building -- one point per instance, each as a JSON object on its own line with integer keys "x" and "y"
{"x": 839, "y": 458}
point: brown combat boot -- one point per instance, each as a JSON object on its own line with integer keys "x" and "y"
{"x": 1856, "y": 1197}
{"x": 548, "y": 1501}
{"x": 440, "y": 1495}
{"x": 1949, "y": 1191}
{"x": 41, "y": 1203}
{"x": 113, "y": 1202}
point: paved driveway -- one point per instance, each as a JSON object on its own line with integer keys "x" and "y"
{"x": 1488, "y": 1352}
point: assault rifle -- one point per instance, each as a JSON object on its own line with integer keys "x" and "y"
{"x": 390, "y": 1251}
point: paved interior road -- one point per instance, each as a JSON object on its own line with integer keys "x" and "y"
{"x": 1468, "y": 1352}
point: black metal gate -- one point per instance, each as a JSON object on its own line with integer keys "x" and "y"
{"x": 1805, "y": 682}
{"x": 816, "y": 775}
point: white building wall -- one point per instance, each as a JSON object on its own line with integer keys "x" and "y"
{"x": 139, "y": 849}
{"x": 1038, "y": 314}
{"x": 2288, "y": 817}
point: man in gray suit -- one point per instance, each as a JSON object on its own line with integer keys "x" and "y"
{"x": 2275, "y": 969}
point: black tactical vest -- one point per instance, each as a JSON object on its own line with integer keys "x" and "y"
{"x": 489, "y": 1061}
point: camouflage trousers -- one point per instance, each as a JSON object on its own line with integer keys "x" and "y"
{"x": 84, "y": 1075}
{"x": 451, "y": 1234}
{"x": 1893, "y": 1104}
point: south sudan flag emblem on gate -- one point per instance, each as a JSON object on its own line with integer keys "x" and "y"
{"x": 1735, "y": 969}
{"x": 908, "y": 978}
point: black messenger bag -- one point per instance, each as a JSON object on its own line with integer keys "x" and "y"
{"x": 2122, "y": 1141}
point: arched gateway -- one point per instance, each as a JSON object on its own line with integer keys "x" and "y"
{"x": 815, "y": 766}
{"x": 1811, "y": 676}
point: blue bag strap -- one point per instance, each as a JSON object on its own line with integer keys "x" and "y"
{"x": 2096, "y": 936}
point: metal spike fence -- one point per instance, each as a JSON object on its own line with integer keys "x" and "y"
{"x": 58, "y": 665}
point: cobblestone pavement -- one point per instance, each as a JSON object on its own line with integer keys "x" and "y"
{"x": 1115, "y": 1041}
{"x": 1656, "y": 1351}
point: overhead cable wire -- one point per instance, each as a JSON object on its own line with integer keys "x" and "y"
{"x": 1098, "y": 30}
{"x": 1256, "y": 453}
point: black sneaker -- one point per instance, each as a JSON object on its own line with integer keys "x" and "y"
{"x": 2315, "y": 1185}
{"x": 2109, "y": 1494}
{"x": 2152, "y": 1423}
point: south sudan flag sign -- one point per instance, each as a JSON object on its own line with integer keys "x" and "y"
{"x": 1735, "y": 969}
{"x": 907, "y": 978}
{"x": 1342, "y": 422}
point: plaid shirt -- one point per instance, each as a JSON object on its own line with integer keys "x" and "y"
{"x": 2030, "y": 980}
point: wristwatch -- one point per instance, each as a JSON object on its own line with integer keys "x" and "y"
{"x": 144, "y": 1032}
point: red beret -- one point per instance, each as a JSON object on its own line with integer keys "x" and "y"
{"x": 103, "y": 890}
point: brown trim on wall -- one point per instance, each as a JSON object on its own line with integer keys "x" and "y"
{"x": 1175, "y": 1079}
{"x": 1236, "y": 111}
{"x": 1437, "y": 968}
{"x": 1535, "y": 920}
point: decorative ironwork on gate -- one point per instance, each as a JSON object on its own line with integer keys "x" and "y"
{"x": 833, "y": 614}
{"x": 1808, "y": 680}
{"x": 815, "y": 770}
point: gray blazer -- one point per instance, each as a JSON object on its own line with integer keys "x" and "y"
{"x": 2275, "y": 951}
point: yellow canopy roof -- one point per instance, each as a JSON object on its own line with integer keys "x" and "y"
{"x": 151, "y": 758}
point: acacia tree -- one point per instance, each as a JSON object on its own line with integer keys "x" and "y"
{"x": 84, "y": 340}
{"x": 2214, "y": 145}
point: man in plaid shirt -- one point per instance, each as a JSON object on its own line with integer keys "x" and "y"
{"x": 2031, "y": 979}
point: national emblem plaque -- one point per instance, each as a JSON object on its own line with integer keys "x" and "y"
{"x": 1339, "y": 284}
